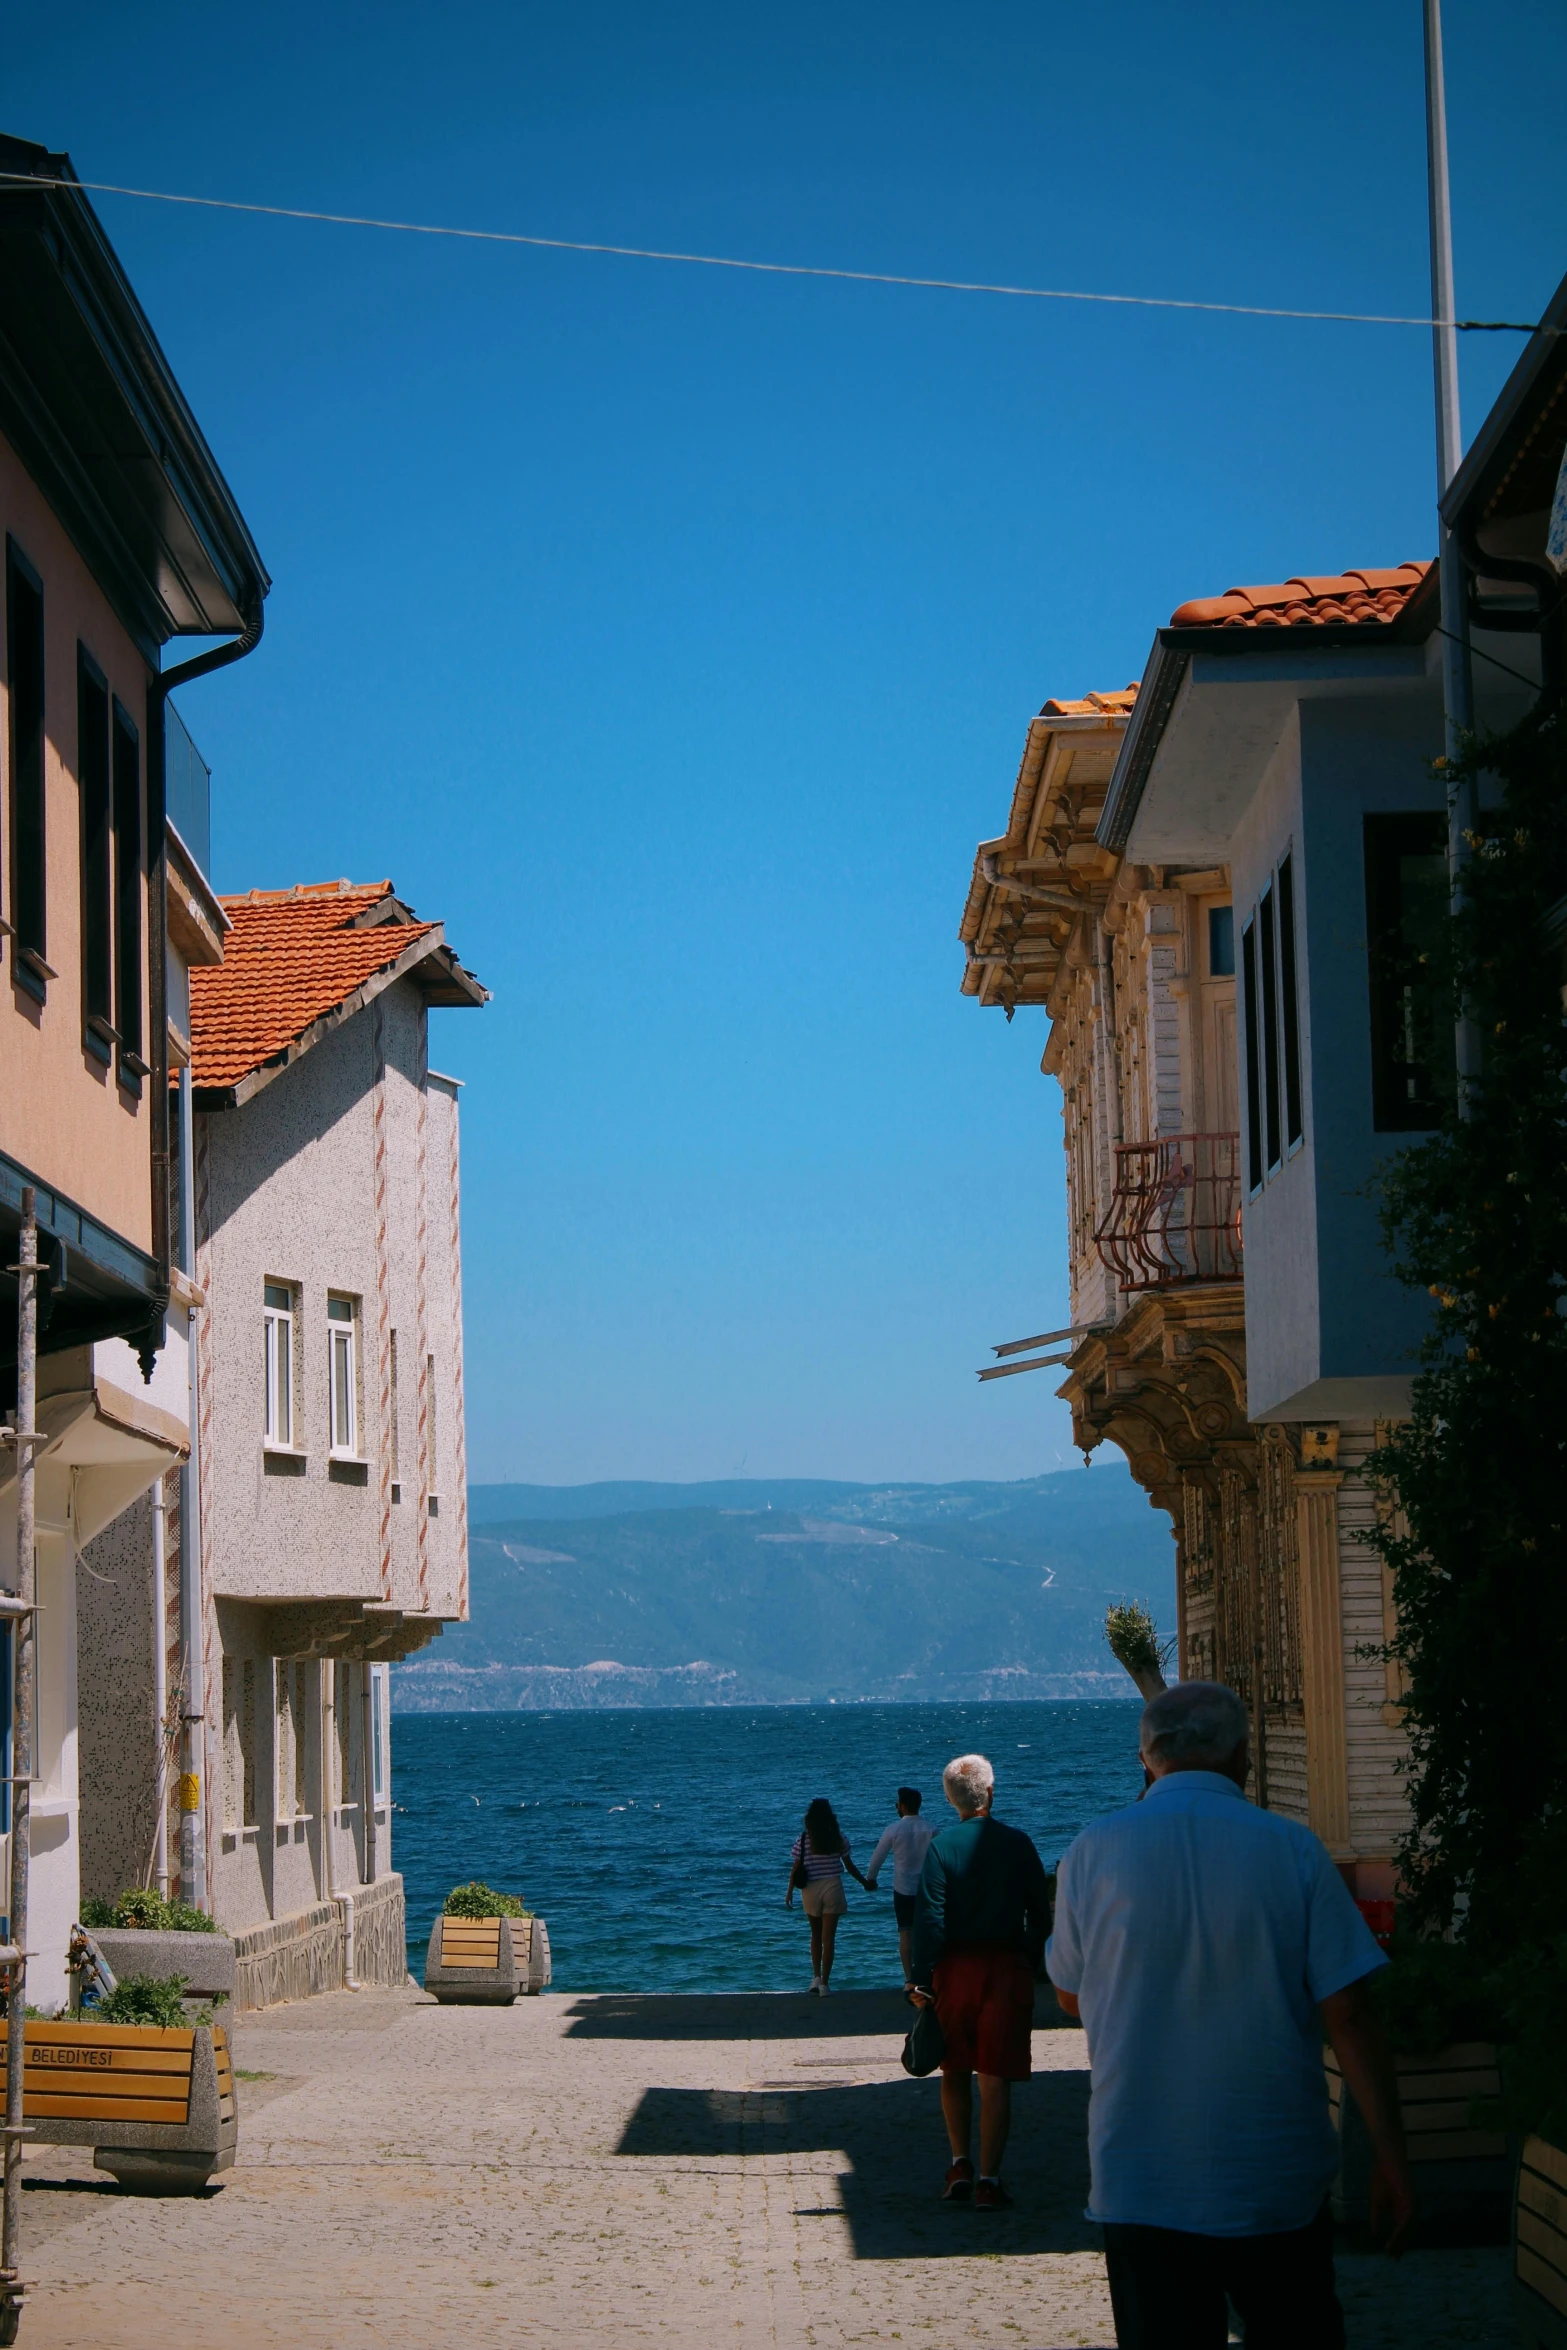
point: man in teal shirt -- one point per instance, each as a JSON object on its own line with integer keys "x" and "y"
{"x": 979, "y": 1938}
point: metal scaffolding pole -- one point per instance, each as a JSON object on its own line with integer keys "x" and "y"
{"x": 21, "y": 1611}
{"x": 1457, "y": 677}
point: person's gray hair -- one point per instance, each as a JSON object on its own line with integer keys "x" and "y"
{"x": 1195, "y": 1722}
{"x": 969, "y": 1781}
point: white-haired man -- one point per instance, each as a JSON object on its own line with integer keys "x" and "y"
{"x": 1206, "y": 1946}
{"x": 979, "y": 1935}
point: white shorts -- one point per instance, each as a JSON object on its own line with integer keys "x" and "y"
{"x": 824, "y": 1899}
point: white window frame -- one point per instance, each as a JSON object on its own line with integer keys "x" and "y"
{"x": 342, "y": 1383}
{"x": 277, "y": 1426}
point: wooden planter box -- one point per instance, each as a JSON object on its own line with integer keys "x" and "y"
{"x": 486, "y": 1962}
{"x": 1463, "y": 2176}
{"x": 157, "y": 2107}
{"x": 1540, "y": 2245}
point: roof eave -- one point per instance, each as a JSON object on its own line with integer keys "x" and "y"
{"x": 457, "y": 986}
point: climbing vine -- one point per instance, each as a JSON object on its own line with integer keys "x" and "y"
{"x": 1474, "y": 1482}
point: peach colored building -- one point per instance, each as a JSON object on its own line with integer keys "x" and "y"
{"x": 120, "y": 534}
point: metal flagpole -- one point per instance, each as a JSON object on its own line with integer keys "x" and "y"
{"x": 1457, "y": 679}
{"x": 25, "y": 1436}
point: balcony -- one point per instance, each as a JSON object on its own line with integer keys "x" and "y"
{"x": 1176, "y": 1212}
{"x": 189, "y": 790}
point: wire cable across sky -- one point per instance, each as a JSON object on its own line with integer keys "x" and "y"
{"x": 860, "y": 277}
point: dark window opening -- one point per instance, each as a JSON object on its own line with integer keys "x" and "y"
{"x": 1413, "y": 1077}
{"x": 1270, "y": 1028}
{"x": 1221, "y": 942}
{"x": 127, "y": 897}
{"x": 92, "y": 774}
{"x": 1293, "y": 1127}
{"x": 1253, "y": 1079}
{"x": 24, "y": 652}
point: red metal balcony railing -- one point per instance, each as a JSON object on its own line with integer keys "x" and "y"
{"x": 1176, "y": 1212}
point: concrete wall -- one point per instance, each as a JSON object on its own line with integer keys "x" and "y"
{"x": 62, "y": 1113}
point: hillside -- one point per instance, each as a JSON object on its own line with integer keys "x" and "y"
{"x": 793, "y": 1591}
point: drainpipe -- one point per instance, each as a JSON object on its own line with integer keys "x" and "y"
{"x": 1036, "y": 893}
{"x": 160, "y": 1689}
{"x": 367, "y": 1757}
{"x": 193, "y": 1842}
{"x": 329, "y": 1885}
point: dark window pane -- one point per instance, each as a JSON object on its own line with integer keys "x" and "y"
{"x": 1221, "y": 942}
{"x": 92, "y": 774}
{"x": 1412, "y": 1067}
{"x": 1270, "y": 1028}
{"x": 24, "y": 633}
{"x": 127, "y": 892}
{"x": 1253, "y": 1079}
{"x": 1293, "y": 1127}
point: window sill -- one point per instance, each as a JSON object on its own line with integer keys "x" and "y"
{"x": 346, "y": 1468}
{"x": 282, "y": 1460}
{"x": 350, "y": 1460}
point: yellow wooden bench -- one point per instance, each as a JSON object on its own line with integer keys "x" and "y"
{"x": 1540, "y": 2245}
{"x": 156, "y": 2104}
{"x": 1463, "y": 2175}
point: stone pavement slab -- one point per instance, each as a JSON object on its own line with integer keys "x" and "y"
{"x": 653, "y": 2173}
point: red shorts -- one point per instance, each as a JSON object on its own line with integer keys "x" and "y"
{"x": 985, "y": 2006}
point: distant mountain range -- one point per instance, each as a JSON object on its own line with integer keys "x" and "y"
{"x": 757, "y": 1591}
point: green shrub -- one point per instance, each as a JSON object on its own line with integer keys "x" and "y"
{"x": 482, "y": 1901}
{"x": 141, "y": 1909}
{"x": 144, "y": 1999}
{"x": 1433, "y": 1994}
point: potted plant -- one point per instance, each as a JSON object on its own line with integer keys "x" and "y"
{"x": 139, "y": 2079}
{"x": 1443, "y": 2019}
{"x": 142, "y": 1933}
{"x": 485, "y": 1949}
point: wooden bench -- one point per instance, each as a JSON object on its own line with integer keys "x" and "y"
{"x": 157, "y": 2105}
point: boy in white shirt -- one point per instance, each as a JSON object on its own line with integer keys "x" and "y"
{"x": 908, "y": 1840}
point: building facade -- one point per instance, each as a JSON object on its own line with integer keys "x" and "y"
{"x": 119, "y": 535}
{"x": 332, "y": 1504}
{"x": 1227, "y": 927}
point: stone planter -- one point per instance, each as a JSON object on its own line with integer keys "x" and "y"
{"x": 1540, "y": 2245}
{"x": 205, "y": 1960}
{"x": 486, "y": 1962}
{"x": 156, "y": 2106}
{"x": 1463, "y": 2176}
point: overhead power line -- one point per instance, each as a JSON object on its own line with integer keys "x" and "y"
{"x": 860, "y": 277}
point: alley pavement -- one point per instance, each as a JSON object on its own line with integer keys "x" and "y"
{"x": 640, "y": 2173}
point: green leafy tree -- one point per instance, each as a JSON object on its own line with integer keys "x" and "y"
{"x": 1476, "y": 1215}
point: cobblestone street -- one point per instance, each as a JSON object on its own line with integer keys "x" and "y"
{"x": 671, "y": 2172}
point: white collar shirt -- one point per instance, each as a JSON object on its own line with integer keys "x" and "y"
{"x": 908, "y": 1840}
{"x": 1200, "y": 1935}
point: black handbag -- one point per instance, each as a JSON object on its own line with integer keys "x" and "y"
{"x": 926, "y": 2044}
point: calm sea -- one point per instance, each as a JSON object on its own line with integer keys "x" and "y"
{"x": 656, "y": 1844}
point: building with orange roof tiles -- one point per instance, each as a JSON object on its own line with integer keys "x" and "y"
{"x": 1219, "y": 888}
{"x": 333, "y": 1521}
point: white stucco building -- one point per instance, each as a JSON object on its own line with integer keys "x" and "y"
{"x": 332, "y": 1510}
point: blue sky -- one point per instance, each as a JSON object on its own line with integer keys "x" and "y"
{"x": 672, "y": 633}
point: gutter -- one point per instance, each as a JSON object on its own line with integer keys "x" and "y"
{"x": 1162, "y": 681}
{"x": 193, "y": 1842}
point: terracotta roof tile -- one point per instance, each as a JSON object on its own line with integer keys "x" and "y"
{"x": 290, "y": 957}
{"x": 1114, "y": 704}
{"x": 1353, "y": 599}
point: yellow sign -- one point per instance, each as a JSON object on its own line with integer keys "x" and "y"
{"x": 190, "y": 1791}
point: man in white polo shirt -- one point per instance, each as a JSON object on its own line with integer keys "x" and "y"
{"x": 1207, "y": 1945}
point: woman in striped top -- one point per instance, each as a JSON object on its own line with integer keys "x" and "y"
{"x": 822, "y": 1850}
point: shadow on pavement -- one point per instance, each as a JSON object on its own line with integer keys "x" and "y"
{"x": 892, "y": 2134}
{"x": 759, "y": 2015}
